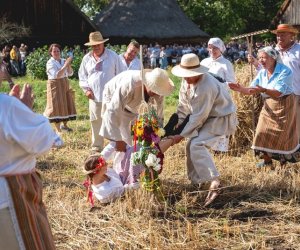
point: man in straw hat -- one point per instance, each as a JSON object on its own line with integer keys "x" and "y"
{"x": 96, "y": 69}
{"x": 212, "y": 115}
{"x": 289, "y": 52}
{"x": 122, "y": 98}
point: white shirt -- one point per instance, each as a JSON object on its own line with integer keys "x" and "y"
{"x": 135, "y": 64}
{"x": 220, "y": 67}
{"x": 53, "y": 66}
{"x": 108, "y": 191}
{"x": 24, "y": 135}
{"x": 95, "y": 74}
{"x": 204, "y": 101}
{"x": 122, "y": 98}
{"x": 291, "y": 58}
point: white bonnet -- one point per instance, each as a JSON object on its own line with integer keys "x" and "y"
{"x": 217, "y": 42}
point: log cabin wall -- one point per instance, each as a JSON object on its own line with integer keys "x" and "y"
{"x": 49, "y": 20}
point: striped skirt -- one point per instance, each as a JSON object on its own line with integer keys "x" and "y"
{"x": 276, "y": 129}
{"x": 26, "y": 192}
{"x": 60, "y": 101}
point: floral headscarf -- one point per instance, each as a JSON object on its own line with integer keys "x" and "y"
{"x": 271, "y": 52}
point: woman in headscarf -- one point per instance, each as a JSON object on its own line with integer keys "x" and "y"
{"x": 221, "y": 68}
{"x": 217, "y": 63}
{"x": 276, "y": 136}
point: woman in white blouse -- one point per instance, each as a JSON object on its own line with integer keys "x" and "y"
{"x": 217, "y": 63}
{"x": 223, "y": 68}
{"x": 24, "y": 135}
{"x": 60, "y": 103}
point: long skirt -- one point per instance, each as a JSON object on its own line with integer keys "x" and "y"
{"x": 26, "y": 193}
{"x": 60, "y": 101}
{"x": 276, "y": 134}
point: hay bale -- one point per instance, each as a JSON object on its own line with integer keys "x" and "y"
{"x": 248, "y": 109}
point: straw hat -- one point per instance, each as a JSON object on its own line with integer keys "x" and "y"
{"x": 158, "y": 81}
{"x": 285, "y": 28}
{"x": 189, "y": 66}
{"x": 95, "y": 38}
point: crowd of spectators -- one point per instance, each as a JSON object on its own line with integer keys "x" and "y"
{"x": 170, "y": 55}
{"x": 154, "y": 55}
{"x": 14, "y": 59}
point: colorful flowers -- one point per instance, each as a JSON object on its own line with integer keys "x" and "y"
{"x": 147, "y": 133}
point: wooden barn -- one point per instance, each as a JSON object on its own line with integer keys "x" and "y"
{"x": 147, "y": 22}
{"x": 289, "y": 12}
{"x": 49, "y": 21}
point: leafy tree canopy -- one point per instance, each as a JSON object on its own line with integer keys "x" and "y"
{"x": 91, "y": 7}
{"x": 226, "y": 18}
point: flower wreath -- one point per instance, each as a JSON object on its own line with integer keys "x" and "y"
{"x": 87, "y": 183}
{"x": 147, "y": 132}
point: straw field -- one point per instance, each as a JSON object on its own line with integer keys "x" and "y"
{"x": 257, "y": 209}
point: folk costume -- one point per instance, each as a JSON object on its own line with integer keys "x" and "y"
{"x": 122, "y": 97}
{"x": 93, "y": 75}
{"x": 212, "y": 115}
{"x": 222, "y": 68}
{"x": 60, "y": 97}
{"x": 24, "y": 135}
{"x": 108, "y": 191}
{"x": 276, "y": 132}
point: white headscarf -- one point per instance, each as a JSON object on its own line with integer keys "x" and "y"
{"x": 217, "y": 42}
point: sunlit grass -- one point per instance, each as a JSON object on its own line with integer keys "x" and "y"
{"x": 257, "y": 209}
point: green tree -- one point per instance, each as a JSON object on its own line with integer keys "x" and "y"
{"x": 91, "y": 7}
{"x": 226, "y": 18}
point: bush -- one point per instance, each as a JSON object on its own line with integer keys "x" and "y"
{"x": 37, "y": 60}
{"x": 36, "y": 63}
{"x": 78, "y": 55}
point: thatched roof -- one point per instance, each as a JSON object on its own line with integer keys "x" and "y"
{"x": 147, "y": 21}
{"x": 49, "y": 21}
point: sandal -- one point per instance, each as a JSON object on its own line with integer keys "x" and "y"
{"x": 214, "y": 191}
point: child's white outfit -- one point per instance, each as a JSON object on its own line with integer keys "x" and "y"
{"x": 128, "y": 173}
{"x": 108, "y": 191}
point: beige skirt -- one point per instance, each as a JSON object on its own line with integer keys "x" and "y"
{"x": 276, "y": 129}
{"x": 60, "y": 101}
{"x": 26, "y": 193}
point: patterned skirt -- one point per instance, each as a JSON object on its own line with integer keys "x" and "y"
{"x": 26, "y": 192}
{"x": 60, "y": 101}
{"x": 276, "y": 134}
